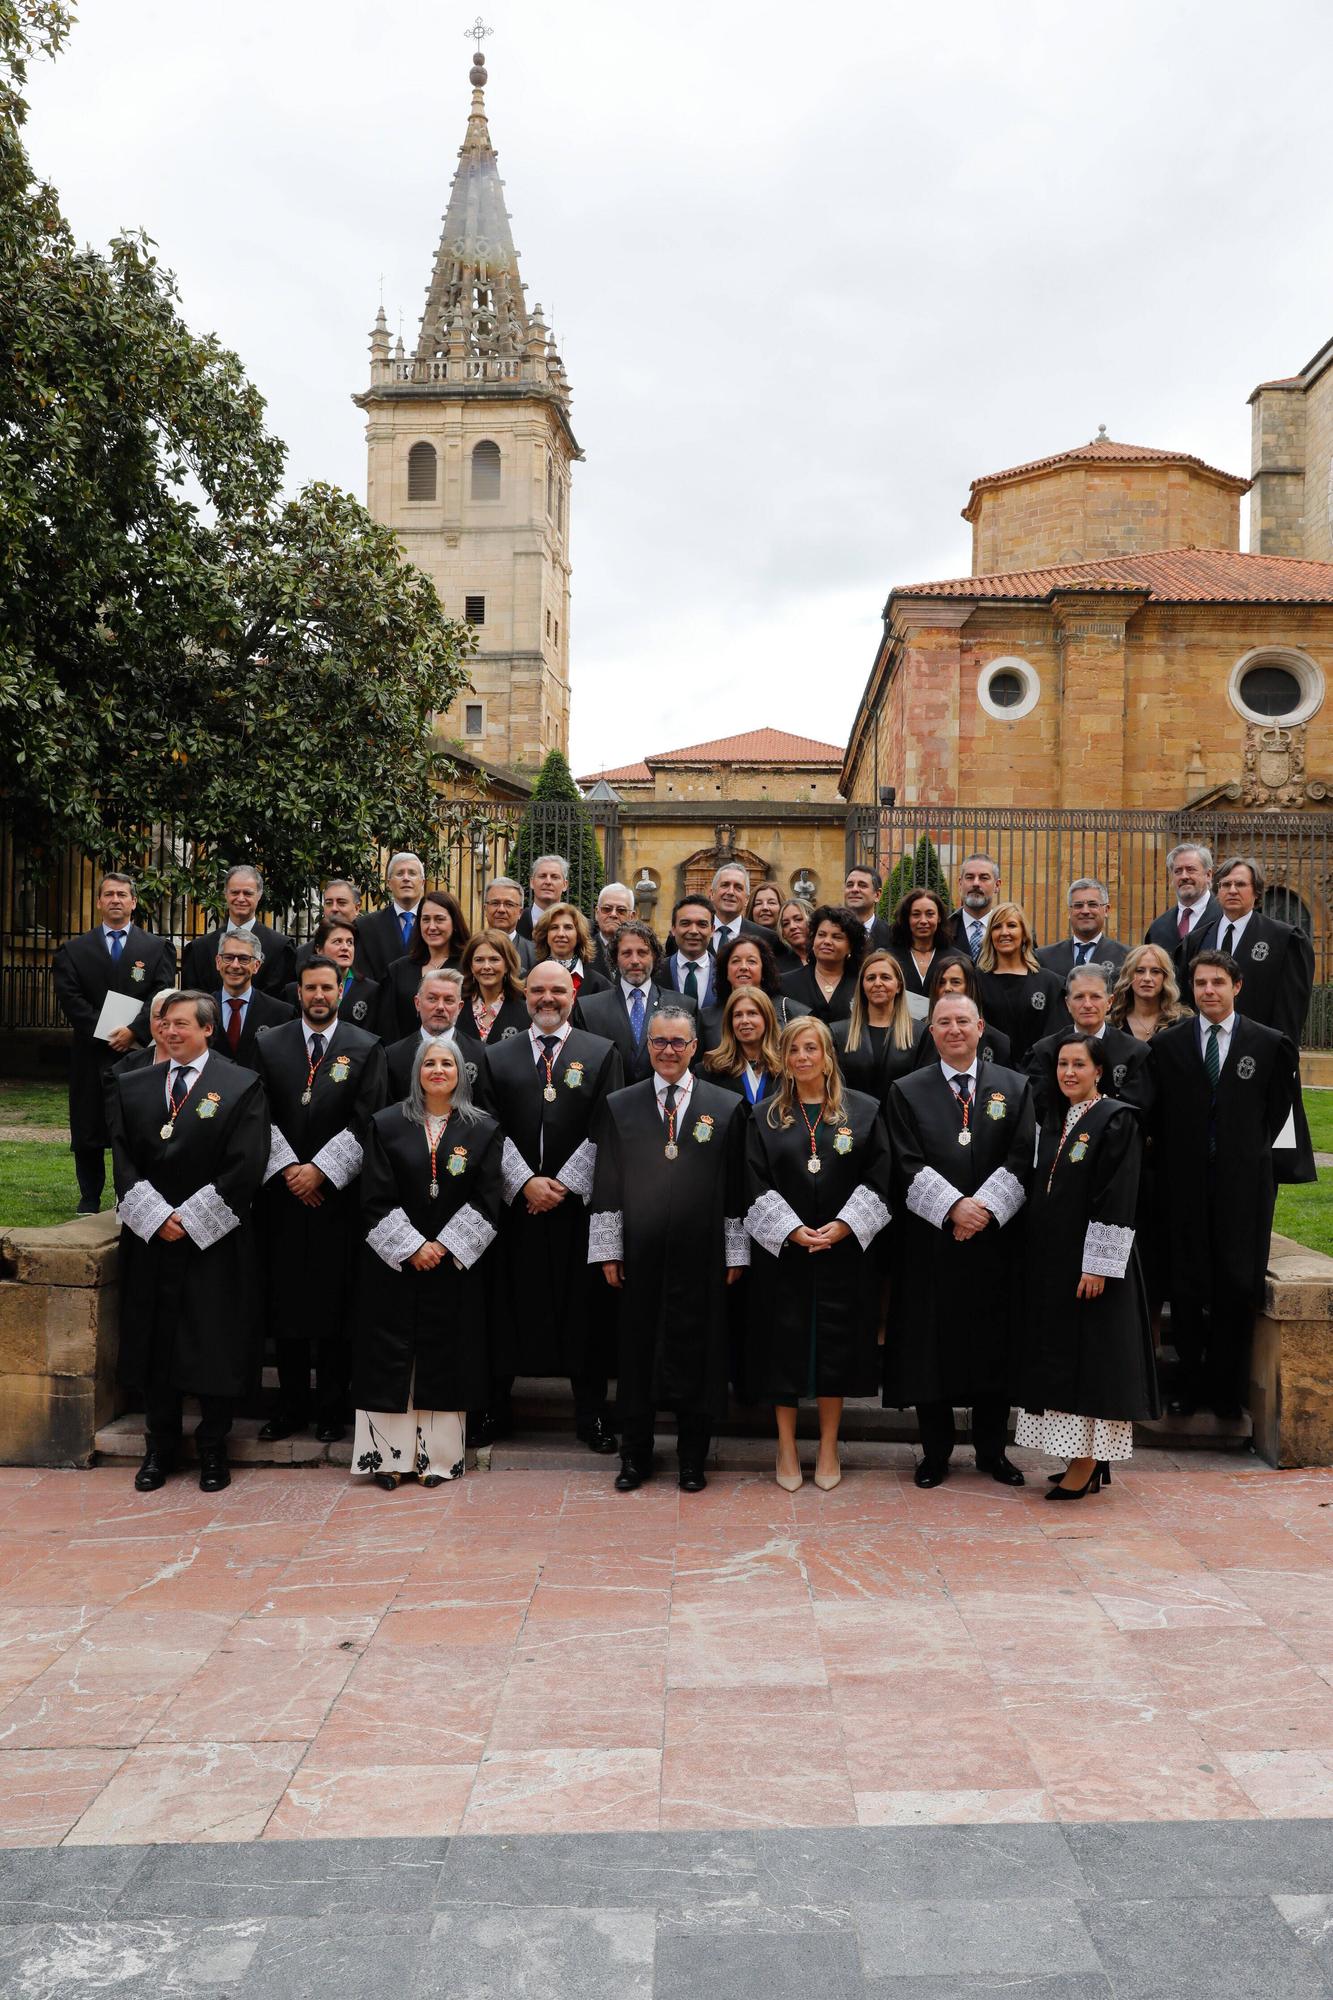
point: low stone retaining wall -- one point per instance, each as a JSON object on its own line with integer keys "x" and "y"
{"x": 1291, "y": 1370}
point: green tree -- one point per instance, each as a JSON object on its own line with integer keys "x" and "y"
{"x": 557, "y": 821}
{"x": 177, "y": 644}
{"x": 922, "y": 869}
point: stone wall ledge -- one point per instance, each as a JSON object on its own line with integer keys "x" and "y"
{"x": 1299, "y": 1284}
{"x": 78, "y": 1253}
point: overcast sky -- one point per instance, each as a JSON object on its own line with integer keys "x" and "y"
{"x": 811, "y": 272}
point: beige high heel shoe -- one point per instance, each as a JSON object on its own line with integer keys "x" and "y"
{"x": 790, "y": 1482}
{"x": 826, "y": 1481}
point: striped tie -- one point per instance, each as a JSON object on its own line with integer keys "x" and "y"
{"x": 1212, "y": 1058}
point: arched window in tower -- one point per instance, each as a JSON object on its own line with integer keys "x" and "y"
{"x": 421, "y": 470}
{"x": 486, "y": 470}
{"x": 560, "y": 507}
{"x": 550, "y": 486}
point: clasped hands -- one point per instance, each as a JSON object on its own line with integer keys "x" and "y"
{"x": 305, "y": 1183}
{"x": 542, "y": 1194}
{"x": 969, "y": 1218}
{"x": 826, "y": 1237}
{"x": 429, "y": 1256}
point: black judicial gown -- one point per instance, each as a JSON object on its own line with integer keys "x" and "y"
{"x": 1025, "y": 1006}
{"x": 189, "y": 1311}
{"x": 813, "y": 1317}
{"x": 877, "y": 1062}
{"x": 950, "y": 1334}
{"x": 425, "y": 1334}
{"x": 512, "y": 1022}
{"x": 1127, "y": 1075}
{"x": 359, "y": 1006}
{"x": 675, "y": 1226}
{"x": 398, "y": 992}
{"x": 805, "y": 996}
{"x": 1086, "y": 1357}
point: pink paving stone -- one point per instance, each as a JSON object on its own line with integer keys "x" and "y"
{"x": 956, "y": 1748}
{"x": 43, "y": 1792}
{"x": 943, "y": 1808}
{"x": 858, "y": 1565}
{"x": 1184, "y": 1783}
{"x": 1173, "y": 1603}
{"x": 201, "y": 1792}
{"x": 1241, "y": 1689}
{"x": 1285, "y": 1784}
{"x": 97, "y": 1572}
{"x": 427, "y": 1799}
{"x": 400, "y": 1707}
{"x": 567, "y": 1790}
{"x": 244, "y": 1697}
{"x": 557, "y": 1610}
{"x": 713, "y": 1796}
{"x": 858, "y": 1637}
{"x": 709, "y": 1648}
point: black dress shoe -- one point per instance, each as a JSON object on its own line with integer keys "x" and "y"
{"x": 489, "y": 1427}
{"x": 154, "y": 1472}
{"x": 1001, "y": 1470}
{"x": 331, "y": 1433}
{"x": 931, "y": 1472}
{"x": 214, "y": 1472}
{"x": 89, "y": 1208}
{"x": 1182, "y": 1406}
{"x": 692, "y": 1479}
{"x": 597, "y": 1437}
{"x": 282, "y": 1424}
{"x": 631, "y": 1476}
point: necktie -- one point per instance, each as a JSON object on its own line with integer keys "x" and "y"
{"x": 691, "y": 986}
{"x": 117, "y": 944}
{"x": 406, "y": 919}
{"x": 963, "y": 1085}
{"x": 1082, "y": 953}
{"x": 636, "y": 1016}
{"x": 316, "y": 1050}
{"x": 549, "y": 1043}
{"x": 974, "y": 935}
{"x": 1183, "y": 927}
{"x": 1228, "y": 937}
{"x": 234, "y": 1020}
{"x": 670, "y": 1100}
{"x": 180, "y": 1087}
{"x": 1212, "y": 1055}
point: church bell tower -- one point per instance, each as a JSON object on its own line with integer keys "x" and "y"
{"x": 469, "y": 457}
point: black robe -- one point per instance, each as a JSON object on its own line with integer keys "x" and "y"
{"x": 400, "y": 1056}
{"x": 1088, "y": 1357}
{"x": 310, "y": 1253}
{"x": 865, "y": 1069}
{"x": 510, "y": 1024}
{"x": 1025, "y": 1006}
{"x": 1128, "y": 1074}
{"x": 199, "y": 966}
{"x": 543, "y": 1323}
{"x": 397, "y": 997}
{"x": 950, "y": 1326}
{"x": 359, "y": 1006}
{"x": 1276, "y": 963}
{"x": 802, "y": 989}
{"x": 1220, "y": 1217}
{"x": 814, "y": 1316}
{"x": 83, "y": 973}
{"x": 674, "y": 1225}
{"x": 262, "y": 1013}
{"x": 912, "y": 979}
{"x": 430, "y": 1322}
{"x": 190, "y": 1311}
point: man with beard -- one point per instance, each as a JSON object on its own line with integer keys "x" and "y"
{"x": 979, "y": 889}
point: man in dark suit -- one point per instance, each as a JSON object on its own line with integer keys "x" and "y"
{"x": 502, "y": 907}
{"x": 387, "y": 935}
{"x": 729, "y": 892}
{"x": 622, "y": 1015}
{"x": 691, "y": 969}
{"x": 860, "y": 894}
{"x": 1191, "y": 870}
{"x": 1087, "y": 944}
{"x": 1127, "y": 1074}
{"x": 115, "y": 956}
{"x": 325, "y": 1080}
{"x": 242, "y": 892}
{"x": 438, "y": 1001}
{"x": 338, "y": 898}
{"x": 549, "y": 883}
{"x": 246, "y": 1012}
{"x": 979, "y": 892}
{"x": 615, "y": 906}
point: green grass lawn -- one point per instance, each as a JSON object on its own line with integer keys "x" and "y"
{"x": 25, "y": 1101}
{"x": 1319, "y": 1111}
{"x": 37, "y": 1184}
{"x": 1307, "y": 1212}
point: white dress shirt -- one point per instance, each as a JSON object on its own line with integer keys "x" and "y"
{"x": 114, "y": 931}
{"x": 535, "y": 1037}
{"x": 629, "y": 992}
{"x": 951, "y": 1075}
{"x": 309, "y": 1032}
{"x": 1193, "y": 911}
{"x": 722, "y": 932}
{"x": 1237, "y": 927}
{"x": 190, "y": 1071}
{"x": 700, "y": 965}
{"x": 683, "y": 1090}
{"x": 1225, "y": 1031}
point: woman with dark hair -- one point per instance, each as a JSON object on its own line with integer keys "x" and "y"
{"x": 430, "y": 1201}
{"x": 563, "y": 933}
{"x": 1018, "y": 995}
{"x": 746, "y": 1057}
{"x": 954, "y": 972}
{"x": 749, "y": 961}
{"x": 918, "y": 934}
{"x": 880, "y": 1041}
{"x": 827, "y": 985}
{"x": 764, "y": 909}
{"x": 1085, "y": 1362}
{"x": 493, "y": 1005}
{"x": 794, "y": 928}
{"x": 438, "y": 938}
{"x": 360, "y": 1001}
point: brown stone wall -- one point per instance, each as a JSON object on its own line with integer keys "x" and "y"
{"x": 1076, "y": 513}
{"x": 1318, "y": 521}
{"x": 787, "y": 847}
{"x": 58, "y": 1306}
{"x": 813, "y": 784}
{"x": 1277, "y": 461}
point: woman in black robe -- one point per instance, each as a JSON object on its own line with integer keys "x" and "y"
{"x": 359, "y": 1000}
{"x": 954, "y": 972}
{"x": 881, "y": 1041}
{"x": 564, "y": 934}
{"x": 430, "y": 1202}
{"x": 1086, "y": 1370}
{"x": 746, "y": 961}
{"x": 817, "y": 1185}
{"x": 745, "y": 1059}
{"x": 826, "y": 985}
{"x": 439, "y": 938}
{"x": 493, "y": 1009}
{"x": 1018, "y": 996}
{"x": 918, "y": 938}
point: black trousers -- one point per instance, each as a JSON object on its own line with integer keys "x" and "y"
{"x": 333, "y": 1376}
{"x": 589, "y": 1390}
{"x": 163, "y": 1421}
{"x": 1213, "y": 1343}
{"x": 990, "y": 1428}
{"x": 89, "y": 1172}
{"x": 694, "y": 1436}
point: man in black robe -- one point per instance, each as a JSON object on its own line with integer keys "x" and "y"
{"x": 247, "y": 1012}
{"x": 115, "y": 956}
{"x": 547, "y": 1089}
{"x": 325, "y": 1081}
{"x": 666, "y": 1230}
{"x": 242, "y": 893}
{"x": 1087, "y": 944}
{"x": 1191, "y": 870}
{"x": 623, "y": 1014}
{"x": 963, "y": 1133}
{"x": 189, "y": 1140}
{"x": 1225, "y": 1088}
{"x": 1127, "y": 1074}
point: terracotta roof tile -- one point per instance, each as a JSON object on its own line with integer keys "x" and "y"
{"x": 754, "y": 746}
{"x": 1105, "y": 451}
{"x": 1169, "y": 576}
{"x": 624, "y": 774}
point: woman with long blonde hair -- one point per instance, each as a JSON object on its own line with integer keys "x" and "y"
{"x": 1146, "y": 997}
{"x": 817, "y": 1188}
{"x": 880, "y": 1042}
{"x": 746, "y": 1057}
{"x": 1018, "y": 996}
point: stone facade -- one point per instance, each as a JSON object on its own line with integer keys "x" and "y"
{"x": 1291, "y": 510}
{"x": 58, "y": 1329}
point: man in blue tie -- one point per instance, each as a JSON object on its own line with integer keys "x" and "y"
{"x": 979, "y": 892}
{"x": 388, "y": 934}
{"x": 622, "y": 1015}
{"x": 1087, "y": 944}
{"x": 114, "y": 956}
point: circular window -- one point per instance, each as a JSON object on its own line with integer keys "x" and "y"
{"x": 1276, "y": 684}
{"x": 1008, "y": 688}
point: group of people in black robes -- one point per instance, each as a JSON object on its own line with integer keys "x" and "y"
{"x": 790, "y": 1157}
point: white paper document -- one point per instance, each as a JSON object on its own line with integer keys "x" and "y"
{"x": 119, "y": 1010}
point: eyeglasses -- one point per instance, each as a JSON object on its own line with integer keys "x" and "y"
{"x": 236, "y": 958}
{"x": 675, "y": 1043}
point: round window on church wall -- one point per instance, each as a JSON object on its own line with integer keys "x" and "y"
{"x": 1270, "y": 690}
{"x": 1008, "y": 688}
{"x": 1276, "y": 684}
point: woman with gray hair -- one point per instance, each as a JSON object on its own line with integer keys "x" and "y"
{"x": 430, "y": 1201}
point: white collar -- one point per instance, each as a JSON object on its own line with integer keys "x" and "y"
{"x": 630, "y": 991}
{"x": 118, "y": 930}
{"x": 1225, "y": 1026}
{"x": 535, "y": 1037}
{"x": 684, "y": 1085}
{"x": 949, "y": 1073}
{"x": 435, "y": 1034}
{"x": 309, "y": 1032}
{"x": 1237, "y": 924}
{"x": 404, "y": 909}
{"x": 239, "y": 999}
{"x": 1086, "y": 944}
{"x": 247, "y": 929}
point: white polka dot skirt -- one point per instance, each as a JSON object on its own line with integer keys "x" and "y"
{"x": 1068, "y": 1436}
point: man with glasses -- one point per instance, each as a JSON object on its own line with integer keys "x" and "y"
{"x": 1087, "y": 944}
{"x": 666, "y": 1229}
{"x": 246, "y": 1012}
{"x": 502, "y": 906}
{"x": 622, "y": 1015}
{"x": 615, "y": 906}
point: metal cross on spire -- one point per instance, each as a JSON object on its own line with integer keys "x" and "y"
{"x": 477, "y": 33}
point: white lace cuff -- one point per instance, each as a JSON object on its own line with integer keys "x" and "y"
{"x": 143, "y": 1210}
{"x": 735, "y": 1243}
{"x": 931, "y": 1197}
{"x": 1106, "y": 1249}
{"x": 280, "y": 1155}
{"x": 606, "y": 1237}
{"x": 865, "y": 1215}
{"x": 770, "y": 1221}
{"x": 578, "y": 1170}
{"x": 340, "y": 1160}
{"x": 206, "y": 1218}
{"x": 394, "y": 1239}
{"x": 1002, "y": 1195}
{"x": 515, "y": 1173}
{"x": 466, "y": 1235}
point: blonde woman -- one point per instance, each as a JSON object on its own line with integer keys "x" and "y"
{"x": 881, "y": 1040}
{"x": 564, "y": 934}
{"x": 1146, "y": 996}
{"x": 816, "y": 1196}
{"x": 746, "y": 1057}
{"x": 1018, "y": 996}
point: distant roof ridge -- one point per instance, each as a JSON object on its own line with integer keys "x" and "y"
{"x": 760, "y": 745}
{"x": 1175, "y": 575}
{"x": 1102, "y": 451}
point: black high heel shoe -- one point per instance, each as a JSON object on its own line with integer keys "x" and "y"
{"x": 1093, "y": 1484}
{"x": 1054, "y": 1478}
